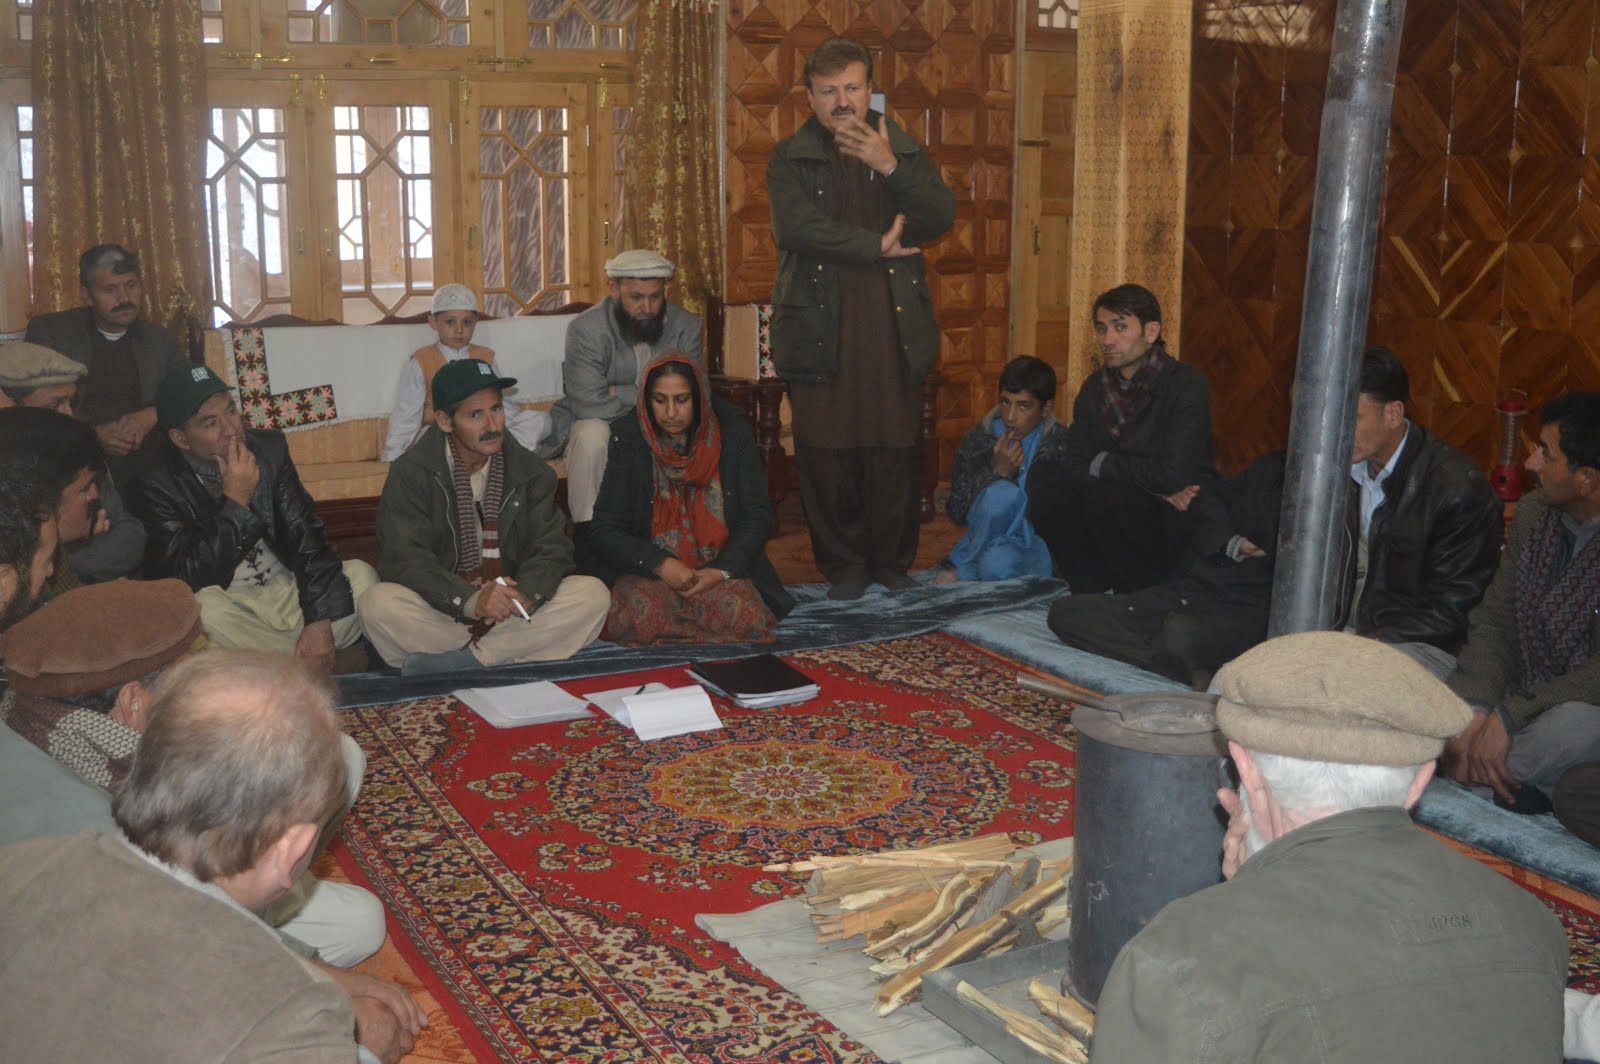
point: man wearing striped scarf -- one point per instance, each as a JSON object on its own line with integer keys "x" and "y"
{"x": 1531, "y": 666}
{"x": 476, "y": 565}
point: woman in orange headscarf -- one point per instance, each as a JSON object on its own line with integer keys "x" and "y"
{"x": 680, "y": 528}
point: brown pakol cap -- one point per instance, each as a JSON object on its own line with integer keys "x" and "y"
{"x": 101, "y": 636}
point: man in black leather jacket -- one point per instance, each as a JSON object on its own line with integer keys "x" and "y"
{"x": 226, "y": 513}
{"x": 1422, "y": 529}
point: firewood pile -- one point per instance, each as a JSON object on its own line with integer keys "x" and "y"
{"x": 923, "y": 910}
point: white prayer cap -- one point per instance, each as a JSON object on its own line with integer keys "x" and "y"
{"x": 642, "y": 263}
{"x": 454, "y": 297}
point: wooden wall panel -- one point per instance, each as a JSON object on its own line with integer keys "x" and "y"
{"x": 1489, "y": 252}
{"x": 947, "y": 68}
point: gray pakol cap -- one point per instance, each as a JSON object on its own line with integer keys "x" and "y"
{"x": 1334, "y": 696}
{"x": 31, "y": 366}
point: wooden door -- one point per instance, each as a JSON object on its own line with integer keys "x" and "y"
{"x": 1042, "y": 238}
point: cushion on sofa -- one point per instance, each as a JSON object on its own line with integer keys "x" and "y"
{"x": 328, "y": 481}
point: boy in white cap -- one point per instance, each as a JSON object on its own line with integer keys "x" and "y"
{"x": 608, "y": 347}
{"x": 453, "y": 319}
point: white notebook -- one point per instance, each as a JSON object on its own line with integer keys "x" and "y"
{"x": 522, "y": 704}
{"x": 670, "y": 711}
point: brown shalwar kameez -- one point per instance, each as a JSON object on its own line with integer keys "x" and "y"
{"x": 856, "y": 436}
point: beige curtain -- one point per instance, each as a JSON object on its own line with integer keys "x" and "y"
{"x": 671, "y": 179}
{"x": 119, "y": 97}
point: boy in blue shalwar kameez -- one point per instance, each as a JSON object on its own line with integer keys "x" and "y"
{"x": 988, "y": 485}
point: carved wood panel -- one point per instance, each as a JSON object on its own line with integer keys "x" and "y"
{"x": 1489, "y": 248}
{"x": 947, "y": 68}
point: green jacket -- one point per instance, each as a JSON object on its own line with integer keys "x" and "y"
{"x": 418, "y": 538}
{"x": 805, "y": 312}
{"x": 619, "y": 543}
{"x": 1355, "y": 939}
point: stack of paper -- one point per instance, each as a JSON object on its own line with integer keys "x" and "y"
{"x": 522, "y": 704}
{"x": 760, "y": 682}
{"x": 612, "y": 701}
{"x": 656, "y": 711}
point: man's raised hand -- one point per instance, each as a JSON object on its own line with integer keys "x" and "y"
{"x": 860, "y": 141}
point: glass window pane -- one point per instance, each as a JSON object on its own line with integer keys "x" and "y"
{"x": 25, "y": 151}
{"x": 245, "y": 190}
{"x": 383, "y": 156}
{"x": 525, "y": 174}
{"x": 436, "y": 22}
{"x": 604, "y": 24}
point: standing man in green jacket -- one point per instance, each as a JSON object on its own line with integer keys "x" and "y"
{"x": 853, "y": 333}
{"x": 476, "y": 565}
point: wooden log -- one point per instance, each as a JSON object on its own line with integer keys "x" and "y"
{"x": 1057, "y": 1045}
{"x": 994, "y": 847}
{"x": 902, "y": 909}
{"x": 1065, "y": 1011}
{"x": 968, "y": 943}
{"x": 957, "y": 896}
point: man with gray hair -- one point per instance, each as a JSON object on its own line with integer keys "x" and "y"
{"x": 125, "y": 356}
{"x": 608, "y": 347}
{"x": 81, "y": 671}
{"x": 234, "y": 785}
{"x": 1344, "y": 933}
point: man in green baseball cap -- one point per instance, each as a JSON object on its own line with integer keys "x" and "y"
{"x": 227, "y": 514}
{"x": 474, "y": 555}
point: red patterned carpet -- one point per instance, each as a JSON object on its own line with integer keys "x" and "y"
{"x": 546, "y": 879}
{"x": 543, "y": 882}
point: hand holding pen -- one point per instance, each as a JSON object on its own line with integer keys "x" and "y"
{"x": 499, "y": 599}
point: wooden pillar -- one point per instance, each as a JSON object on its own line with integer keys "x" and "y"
{"x": 1131, "y": 163}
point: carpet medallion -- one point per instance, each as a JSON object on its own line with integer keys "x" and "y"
{"x": 547, "y": 878}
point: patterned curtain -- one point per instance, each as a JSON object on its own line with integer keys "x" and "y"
{"x": 119, "y": 97}
{"x": 671, "y": 179}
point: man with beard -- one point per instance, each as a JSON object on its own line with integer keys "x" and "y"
{"x": 27, "y": 538}
{"x": 608, "y": 347}
{"x": 31, "y": 376}
{"x": 853, "y": 331}
{"x": 125, "y": 356}
{"x": 68, "y": 466}
{"x": 1344, "y": 932}
{"x": 476, "y": 564}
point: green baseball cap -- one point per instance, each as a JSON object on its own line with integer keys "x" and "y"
{"x": 182, "y": 391}
{"x": 463, "y": 377}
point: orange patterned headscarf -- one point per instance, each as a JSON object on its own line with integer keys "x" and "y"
{"x": 686, "y": 511}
